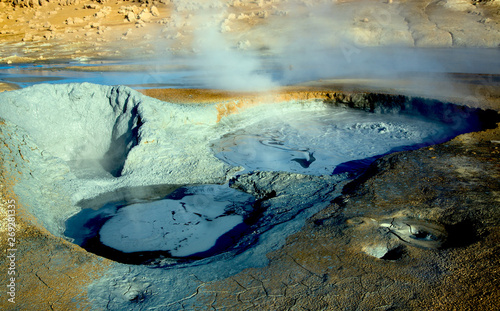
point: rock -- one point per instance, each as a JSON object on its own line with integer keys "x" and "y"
{"x": 459, "y": 5}
{"x": 263, "y": 14}
{"x": 91, "y": 6}
{"x": 225, "y": 26}
{"x": 70, "y": 21}
{"x": 378, "y": 251}
{"x": 48, "y": 36}
{"x": 145, "y": 16}
{"x": 78, "y": 20}
{"x": 131, "y": 17}
{"x": 155, "y": 12}
{"x": 280, "y": 13}
{"x": 243, "y": 45}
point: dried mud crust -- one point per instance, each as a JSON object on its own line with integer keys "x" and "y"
{"x": 451, "y": 190}
{"x": 7, "y": 87}
{"x": 51, "y": 273}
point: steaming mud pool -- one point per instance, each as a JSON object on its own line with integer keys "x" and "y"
{"x": 316, "y": 140}
{"x": 199, "y": 221}
{"x": 156, "y": 184}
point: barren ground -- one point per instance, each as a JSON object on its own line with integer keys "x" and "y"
{"x": 80, "y": 30}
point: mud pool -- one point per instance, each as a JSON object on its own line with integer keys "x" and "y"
{"x": 131, "y": 171}
{"x": 319, "y": 140}
{"x": 193, "y": 222}
{"x": 297, "y": 148}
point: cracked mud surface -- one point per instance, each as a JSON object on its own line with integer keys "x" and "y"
{"x": 49, "y": 270}
{"x": 355, "y": 254}
{"x": 323, "y": 267}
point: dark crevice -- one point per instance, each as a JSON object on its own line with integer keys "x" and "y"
{"x": 113, "y": 160}
{"x": 461, "y": 234}
{"x": 394, "y": 254}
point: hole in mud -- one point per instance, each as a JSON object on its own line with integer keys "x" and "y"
{"x": 394, "y": 254}
{"x": 461, "y": 234}
{"x": 423, "y": 235}
{"x": 140, "y": 226}
{"x": 416, "y": 232}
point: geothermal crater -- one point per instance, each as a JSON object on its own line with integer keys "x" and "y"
{"x": 143, "y": 181}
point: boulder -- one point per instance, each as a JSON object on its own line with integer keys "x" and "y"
{"x": 145, "y": 16}
{"x": 155, "y": 12}
{"x": 131, "y": 17}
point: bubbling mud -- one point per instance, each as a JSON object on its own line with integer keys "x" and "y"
{"x": 316, "y": 140}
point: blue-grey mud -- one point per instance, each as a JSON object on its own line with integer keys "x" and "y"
{"x": 324, "y": 143}
{"x": 126, "y": 151}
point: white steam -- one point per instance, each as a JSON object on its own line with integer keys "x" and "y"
{"x": 311, "y": 40}
{"x": 225, "y": 67}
